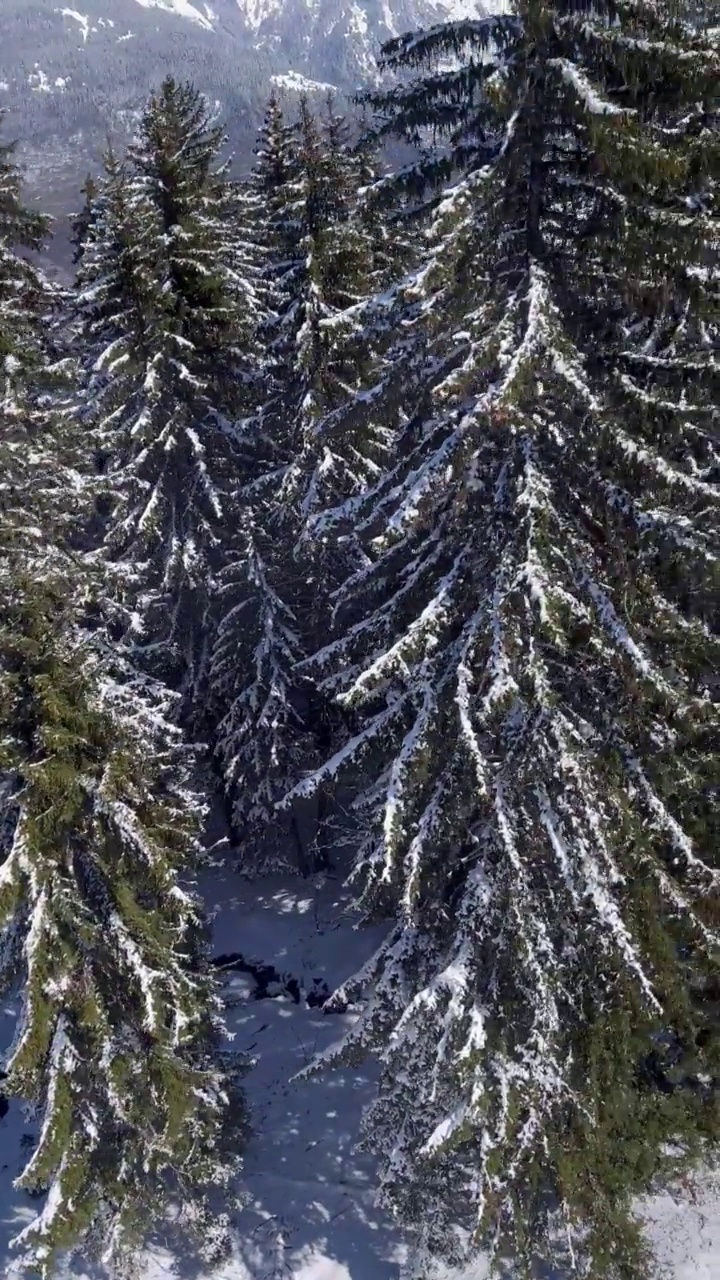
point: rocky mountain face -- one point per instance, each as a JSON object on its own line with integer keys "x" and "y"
{"x": 68, "y": 76}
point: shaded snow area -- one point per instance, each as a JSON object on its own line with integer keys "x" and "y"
{"x": 312, "y": 1215}
{"x": 283, "y": 944}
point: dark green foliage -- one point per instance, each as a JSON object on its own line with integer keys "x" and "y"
{"x": 493, "y": 485}
{"x": 22, "y": 289}
{"x": 83, "y": 221}
{"x": 319, "y": 261}
{"x": 167, "y": 311}
{"x": 117, "y": 1042}
{"x": 174, "y": 165}
{"x": 530, "y": 639}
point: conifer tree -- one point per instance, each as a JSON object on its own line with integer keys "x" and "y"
{"x": 530, "y": 643}
{"x": 83, "y": 221}
{"x": 317, "y": 265}
{"x": 22, "y": 287}
{"x": 32, "y": 369}
{"x": 175, "y": 161}
{"x": 259, "y": 641}
{"x": 118, "y": 1040}
{"x": 167, "y": 314}
{"x": 275, "y": 224}
{"x": 383, "y": 213}
{"x": 117, "y": 1043}
{"x": 341, "y": 269}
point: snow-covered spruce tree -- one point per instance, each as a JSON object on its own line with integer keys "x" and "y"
{"x": 176, "y": 164}
{"x": 23, "y": 292}
{"x": 83, "y": 221}
{"x": 117, "y": 1040}
{"x": 274, "y": 229}
{"x": 32, "y": 369}
{"x": 259, "y": 734}
{"x": 117, "y": 1045}
{"x": 383, "y": 214}
{"x": 166, "y": 315}
{"x": 268, "y": 185}
{"x": 332, "y": 357}
{"x": 317, "y": 263}
{"x": 532, "y": 648}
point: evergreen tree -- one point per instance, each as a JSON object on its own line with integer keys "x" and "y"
{"x": 274, "y": 223}
{"x": 261, "y": 738}
{"x": 22, "y": 289}
{"x": 33, "y": 368}
{"x": 383, "y": 214}
{"x": 175, "y": 165}
{"x": 341, "y": 271}
{"x": 317, "y": 265}
{"x": 530, "y": 642}
{"x": 166, "y": 315}
{"x": 259, "y": 642}
{"x": 116, "y": 1048}
{"x": 83, "y": 221}
{"x": 117, "y": 1044}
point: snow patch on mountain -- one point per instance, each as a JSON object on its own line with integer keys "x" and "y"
{"x": 38, "y": 80}
{"x": 459, "y": 9}
{"x": 81, "y": 18}
{"x": 297, "y": 83}
{"x": 87, "y": 26}
{"x": 255, "y": 12}
{"x": 181, "y": 8}
{"x": 389, "y": 18}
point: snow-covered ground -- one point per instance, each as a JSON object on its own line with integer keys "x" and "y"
{"x": 311, "y": 1214}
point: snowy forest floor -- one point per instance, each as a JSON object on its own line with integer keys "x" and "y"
{"x": 311, "y": 1212}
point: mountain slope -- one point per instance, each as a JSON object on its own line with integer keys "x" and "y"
{"x": 69, "y": 75}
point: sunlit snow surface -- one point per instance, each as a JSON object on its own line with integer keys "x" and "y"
{"x": 295, "y": 82}
{"x": 311, "y": 1214}
{"x": 182, "y": 8}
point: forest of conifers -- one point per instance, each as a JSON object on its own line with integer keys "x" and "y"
{"x": 401, "y": 487}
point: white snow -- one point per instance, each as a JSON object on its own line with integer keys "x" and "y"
{"x": 81, "y": 18}
{"x": 256, "y": 12}
{"x": 297, "y": 83}
{"x": 685, "y": 1231}
{"x": 182, "y": 8}
{"x": 586, "y": 94}
{"x": 358, "y": 20}
{"x": 38, "y": 80}
{"x": 459, "y": 9}
{"x": 311, "y": 1213}
{"x": 389, "y": 18}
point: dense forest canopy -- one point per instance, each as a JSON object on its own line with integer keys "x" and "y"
{"x": 397, "y": 490}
